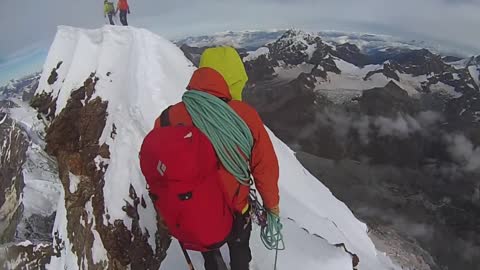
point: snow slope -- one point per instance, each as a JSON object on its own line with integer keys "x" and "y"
{"x": 146, "y": 74}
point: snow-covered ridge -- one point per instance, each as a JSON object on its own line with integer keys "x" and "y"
{"x": 140, "y": 74}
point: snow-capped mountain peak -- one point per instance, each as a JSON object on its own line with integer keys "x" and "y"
{"x": 298, "y": 36}
{"x": 294, "y": 47}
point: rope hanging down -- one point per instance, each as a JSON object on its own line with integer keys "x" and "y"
{"x": 270, "y": 226}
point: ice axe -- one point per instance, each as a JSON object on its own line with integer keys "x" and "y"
{"x": 187, "y": 257}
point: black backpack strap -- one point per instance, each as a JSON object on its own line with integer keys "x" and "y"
{"x": 226, "y": 100}
{"x": 165, "y": 117}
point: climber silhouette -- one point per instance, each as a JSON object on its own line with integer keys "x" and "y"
{"x": 109, "y": 10}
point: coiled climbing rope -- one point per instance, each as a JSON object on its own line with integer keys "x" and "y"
{"x": 226, "y": 130}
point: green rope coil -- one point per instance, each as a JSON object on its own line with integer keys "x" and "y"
{"x": 271, "y": 234}
{"x": 229, "y": 134}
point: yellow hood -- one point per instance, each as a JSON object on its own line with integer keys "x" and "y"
{"x": 227, "y": 62}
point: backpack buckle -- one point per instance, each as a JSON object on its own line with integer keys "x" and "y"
{"x": 185, "y": 196}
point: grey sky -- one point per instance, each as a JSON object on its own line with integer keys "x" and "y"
{"x": 31, "y": 23}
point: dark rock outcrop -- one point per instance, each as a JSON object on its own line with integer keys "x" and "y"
{"x": 389, "y": 70}
{"x": 451, "y": 59}
{"x": 387, "y": 101}
{"x": 322, "y": 51}
{"x": 45, "y": 104}
{"x": 193, "y": 53}
{"x": 421, "y": 62}
{"x": 260, "y": 69}
{"x": 26, "y": 256}
{"x": 37, "y": 227}
{"x": 54, "y": 75}
{"x": 351, "y": 54}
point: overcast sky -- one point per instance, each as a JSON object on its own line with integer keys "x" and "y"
{"x": 29, "y": 24}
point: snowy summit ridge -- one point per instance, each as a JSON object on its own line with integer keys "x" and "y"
{"x": 104, "y": 88}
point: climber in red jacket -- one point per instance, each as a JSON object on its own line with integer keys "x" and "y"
{"x": 123, "y": 8}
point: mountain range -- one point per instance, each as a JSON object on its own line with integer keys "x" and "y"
{"x": 403, "y": 120}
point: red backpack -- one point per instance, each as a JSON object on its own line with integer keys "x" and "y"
{"x": 181, "y": 169}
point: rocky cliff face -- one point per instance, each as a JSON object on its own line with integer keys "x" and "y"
{"x": 73, "y": 138}
{"x": 13, "y": 149}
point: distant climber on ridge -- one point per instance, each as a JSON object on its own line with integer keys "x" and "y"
{"x": 202, "y": 157}
{"x": 123, "y": 8}
{"x": 109, "y": 10}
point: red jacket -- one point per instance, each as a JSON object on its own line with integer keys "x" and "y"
{"x": 123, "y": 5}
{"x": 263, "y": 163}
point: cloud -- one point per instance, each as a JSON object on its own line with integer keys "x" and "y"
{"x": 464, "y": 152}
{"x": 24, "y": 22}
{"x": 399, "y": 220}
{"x": 362, "y": 126}
{"x": 429, "y": 118}
{"x": 402, "y": 126}
{"x": 465, "y": 156}
{"x": 405, "y": 125}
